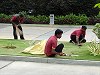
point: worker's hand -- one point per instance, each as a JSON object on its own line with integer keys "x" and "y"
{"x": 62, "y": 54}
{"x": 19, "y": 24}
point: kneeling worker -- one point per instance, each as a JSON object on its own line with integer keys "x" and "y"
{"x": 78, "y": 36}
{"x": 51, "y": 48}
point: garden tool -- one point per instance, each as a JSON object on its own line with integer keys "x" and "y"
{"x": 19, "y": 31}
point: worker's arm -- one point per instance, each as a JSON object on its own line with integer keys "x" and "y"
{"x": 77, "y": 39}
{"x": 53, "y": 51}
{"x": 78, "y": 42}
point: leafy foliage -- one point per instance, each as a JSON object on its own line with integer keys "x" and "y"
{"x": 96, "y": 30}
{"x": 46, "y": 7}
{"x": 97, "y": 5}
{"x": 95, "y": 48}
{"x": 71, "y": 19}
{"x": 5, "y": 18}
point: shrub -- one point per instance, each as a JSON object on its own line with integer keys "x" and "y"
{"x": 96, "y": 30}
{"x": 82, "y": 19}
{"x": 91, "y": 21}
{"x": 72, "y": 19}
{"x": 94, "y": 20}
{"x": 28, "y": 21}
{"x": 94, "y": 46}
{"x": 5, "y": 18}
{"x": 38, "y": 19}
{"x": 98, "y": 16}
{"x": 62, "y": 20}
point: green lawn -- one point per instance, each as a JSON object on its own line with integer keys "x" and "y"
{"x": 69, "y": 48}
{"x": 82, "y": 51}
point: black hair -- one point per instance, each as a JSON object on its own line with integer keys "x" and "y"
{"x": 84, "y": 27}
{"x": 58, "y": 31}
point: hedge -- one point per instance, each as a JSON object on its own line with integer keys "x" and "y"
{"x": 71, "y": 19}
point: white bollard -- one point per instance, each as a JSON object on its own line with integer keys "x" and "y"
{"x": 51, "y": 19}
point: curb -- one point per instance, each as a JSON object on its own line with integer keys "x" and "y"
{"x": 47, "y": 25}
{"x": 50, "y": 60}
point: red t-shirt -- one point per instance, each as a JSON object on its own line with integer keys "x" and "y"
{"x": 17, "y": 19}
{"x": 79, "y": 32}
{"x": 51, "y": 43}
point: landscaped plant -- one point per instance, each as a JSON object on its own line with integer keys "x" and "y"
{"x": 71, "y": 19}
{"x": 4, "y": 18}
{"x": 39, "y": 19}
{"x": 94, "y": 45}
{"x": 96, "y": 30}
{"x": 95, "y": 48}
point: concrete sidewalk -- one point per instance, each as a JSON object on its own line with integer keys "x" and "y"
{"x": 44, "y": 32}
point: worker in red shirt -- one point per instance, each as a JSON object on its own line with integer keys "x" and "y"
{"x": 51, "y": 48}
{"x": 16, "y": 21}
{"x": 78, "y": 36}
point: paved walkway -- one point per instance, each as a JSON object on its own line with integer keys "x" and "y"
{"x": 43, "y": 32}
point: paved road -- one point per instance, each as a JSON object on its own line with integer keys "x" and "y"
{"x": 43, "y": 32}
{"x": 31, "y": 68}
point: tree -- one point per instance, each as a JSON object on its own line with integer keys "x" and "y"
{"x": 83, "y": 7}
{"x": 45, "y": 7}
{"x": 57, "y": 7}
{"x": 97, "y": 5}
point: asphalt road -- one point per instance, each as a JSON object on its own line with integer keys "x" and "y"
{"x": 32, "y": 68}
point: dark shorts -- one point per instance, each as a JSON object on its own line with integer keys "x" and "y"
{"x": 81, "y": 39}
{"x": 58, "y": 49}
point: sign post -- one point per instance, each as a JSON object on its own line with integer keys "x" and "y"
{"x": 51, "y": 19}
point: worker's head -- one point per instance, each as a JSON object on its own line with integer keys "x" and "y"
{"x": 21, "y": 15}
{"x": 84, "y": 28}
{"x": 58, "y": 33}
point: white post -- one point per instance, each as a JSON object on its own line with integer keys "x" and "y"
{"x": 51, "y": 19}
